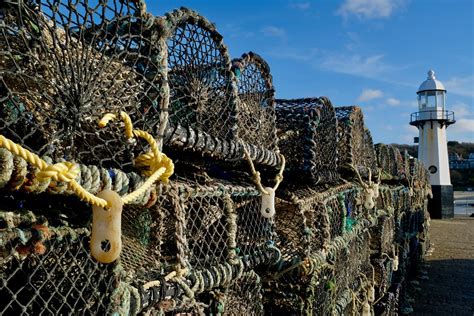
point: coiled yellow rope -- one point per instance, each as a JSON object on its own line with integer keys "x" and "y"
{"x": 159, "y": 166}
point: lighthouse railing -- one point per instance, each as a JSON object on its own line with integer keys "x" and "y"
{"x": 432, "y": 115}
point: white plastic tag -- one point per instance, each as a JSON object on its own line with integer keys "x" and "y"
{"x": 268, "y": 203}
{"x": 106, "y": 239}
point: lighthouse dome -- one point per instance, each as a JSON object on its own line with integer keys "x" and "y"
{"x": 431, "y": 83}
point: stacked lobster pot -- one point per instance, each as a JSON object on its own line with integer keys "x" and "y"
{"x": 62, "y": 68}
{"x": 391, "y": 163}
{"x": 139, "y": 168}
{"x": 319, "y": 220}
{"x": 221, "y": 131}
{"x": 404, "y": 224}
{"x": 63, "y": 71}
{"x": 355, "y": 147}
{"x": 307, "y": 131}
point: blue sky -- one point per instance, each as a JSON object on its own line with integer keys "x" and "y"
{"x": 373, "y": 53}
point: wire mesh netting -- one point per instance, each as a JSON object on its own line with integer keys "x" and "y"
{"x": 354, "y": 146}
{"x": 307, "y": 131}
{"x": 256, "y": 116}
{"x": 63, "y": 65}
{"x": 245, "y": 296}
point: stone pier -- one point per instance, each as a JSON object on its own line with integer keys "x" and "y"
{"x": 449, "y": 289}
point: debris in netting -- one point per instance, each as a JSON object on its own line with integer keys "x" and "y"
{"x": 348, "y": 230}
{"x": 307, "y": 132}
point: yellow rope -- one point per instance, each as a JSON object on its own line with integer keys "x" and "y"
{"x": 152, "y": 161}
{"x": 159, "y": 166}
{"x": 256, "y": 175}
{"x": 63, "y": 171}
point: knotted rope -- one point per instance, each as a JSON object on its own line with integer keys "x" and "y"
{"x": 160, "y": 167}
{"x": 256, "y": 174}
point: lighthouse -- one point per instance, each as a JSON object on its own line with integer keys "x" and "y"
{"x": 432, "y": 120}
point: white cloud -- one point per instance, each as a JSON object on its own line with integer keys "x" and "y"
{"x": 369, "y": 94}
{"x": 369, "y": 67}
{"x": 463, "y": 86}
{"x": 461, "y": 110}
{"x": 301, "y": 5}
{"x": 273, "y": 31}
{"x": 462, "y": 130}
{"x": 369, "y": 9}
{"x": 393, "y": 101}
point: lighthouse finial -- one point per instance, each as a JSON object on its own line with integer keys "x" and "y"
{"x": 431, "y": 74}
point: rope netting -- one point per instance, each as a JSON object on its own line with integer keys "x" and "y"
{"x": 307, "y": 131}
{"x": 256, "y": 101}
{"x": 354, "y": 146}
{"x": 309, "y": 220}
{"x": 203, "y": 234}
{"x": 211, "y": 112}
{"x": 391, "y": 162}
{"x": 63, "y": 65}
{"x": 199, "y": 75}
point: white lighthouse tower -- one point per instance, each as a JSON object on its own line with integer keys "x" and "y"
{"x": 432, "y": 120}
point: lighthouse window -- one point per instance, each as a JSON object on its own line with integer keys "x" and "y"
{"x": 433, "y": 169}
{"x": 422, "y": 101}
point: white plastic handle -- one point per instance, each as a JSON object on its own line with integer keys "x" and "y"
{"x": 268, "y": 203}
{"x": 106, "y": 239}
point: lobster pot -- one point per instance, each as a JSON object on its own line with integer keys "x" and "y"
{"x": 256, "y": 115}
{"x": 350, "y": 265}
{"x": 399, "y": 168}
{"x": 45, "y": 265}
{"x": 303, "y": 293}
{"x": 354, "y": 146}
{"x": 204, "y": 112}
{"x": 383, "y": 268}
{"x": 307, "y": 130}
{"x": 318, "y": 284}
{"x": 244, "y": 297}
{"x": 382, "y": 235}
{"x": 307, "y": 220}
{"x": 202, "y": 94}
{"x": 418, "y": 178}
{"x": 389, "y": 305}
{"x": 208, "y": 225}
{"x": 352, "y": 261}
{"x": 61, "y": 70}
{"x": 390, "y": 162}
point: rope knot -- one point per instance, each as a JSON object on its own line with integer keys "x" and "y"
{"x": 152, "y": 164}
{"x": 61, "y": 172}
